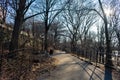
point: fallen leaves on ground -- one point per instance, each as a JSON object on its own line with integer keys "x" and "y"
{"x": 38, "y": 69}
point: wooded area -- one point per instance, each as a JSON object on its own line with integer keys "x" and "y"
{"x": 30, "y": 31}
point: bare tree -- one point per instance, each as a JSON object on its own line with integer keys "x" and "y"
{"x": 108, "y": 50}
{"x": 78, "y": 21}
{"x": 48, "y": 6}
{"x": 56, "y": 30}
{"x": 72, "y": 19}
{"x": 115, "y": 20}
{"x": 20, "y": 7}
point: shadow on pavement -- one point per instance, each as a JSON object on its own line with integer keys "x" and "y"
{"x": 107, "y": 73}
{"x": 86, "y": 68}
{"x": 92, "y": 74}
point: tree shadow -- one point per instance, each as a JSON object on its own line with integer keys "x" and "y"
{"x": 85, "y": 65}
{"x": 107, "y": 73}
{"x": 93, "y": 71}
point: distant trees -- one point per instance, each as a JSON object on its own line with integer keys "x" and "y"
{"x": 78, "y": 21}
{"x": 115, "y": 20}
{"x": 56, "y": 31}
{"x": 51, "y": 9}
{"x": 101, "y": 43}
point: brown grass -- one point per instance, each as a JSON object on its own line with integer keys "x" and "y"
{"x": 23, "y": 67}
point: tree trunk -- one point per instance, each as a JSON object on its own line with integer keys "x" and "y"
{"x": 15, "y": 35}
{"x": 108, "y": 50}
{"x": 46, "y": 26}
{"x": 17, "y": 25}
{"x": 118, "y": 36}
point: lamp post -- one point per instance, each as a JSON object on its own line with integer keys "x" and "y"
{"x": 42, "y": 37}
{"x": 116, "y": 55}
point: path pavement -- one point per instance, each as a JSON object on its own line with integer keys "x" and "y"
{"x": 72, "y": 68}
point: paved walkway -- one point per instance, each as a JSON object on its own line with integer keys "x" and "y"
{"x": 71, "y": 68}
